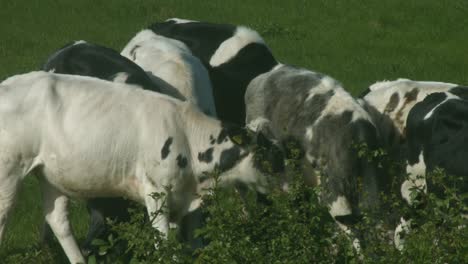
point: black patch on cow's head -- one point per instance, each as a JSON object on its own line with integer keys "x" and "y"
{"x": 181, "y": 161}
{"x": 166, "y": 148}
{"x": 392, "y": 103}
{"x": 229, "y": 158}
{"x": 460, "y": 91}
{"x": 206, "y": 156}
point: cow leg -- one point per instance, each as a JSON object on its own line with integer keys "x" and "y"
{"x": 97, "y": 228}
{"x": 56, "y": 215}
{"x": 160, "y": 218}
{"x": 8, "y": 190}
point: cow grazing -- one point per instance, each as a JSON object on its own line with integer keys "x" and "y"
{"x": 436, "y": 132}
{"x": 87, "y": 59}
{"x": 419, "y": 122}
{"x": 171, "y": 60}
{"x": 314, "y": 110}
{"x": 90, "y": 138}
{"x": 233, "y": 55}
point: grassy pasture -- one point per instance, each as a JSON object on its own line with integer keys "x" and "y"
{"x": 357, "y": 42}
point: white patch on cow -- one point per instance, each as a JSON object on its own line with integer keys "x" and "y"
{"x": 386, "y": 84}
{"x": 231, "y": 46}
{"x": 317, "y": 170}
{"x": 340, "y": 207}
{"x": 120, "y": 77}
{"x": 279, "y": 65}
{"x": 403, "y": 227}
{"x": 181, "y": 20}
{"x": 416, "y": 178}
{"x": 340, "y": 102}
{"x": 257, "y": 124}
{"x": 402, "y": 82}
{"x": 325, "y": 85}
{"x": 79, "y": 42}
{"x": 309, "y": 132}
{"x": 449, "y": 96}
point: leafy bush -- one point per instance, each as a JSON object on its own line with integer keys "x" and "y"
{"x": 294, "y": 227}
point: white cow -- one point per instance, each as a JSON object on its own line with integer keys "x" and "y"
{"x": 171, "y": 61}
{"x": 92, "y": 138}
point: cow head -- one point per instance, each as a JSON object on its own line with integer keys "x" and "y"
{"x": 253, "y": 160}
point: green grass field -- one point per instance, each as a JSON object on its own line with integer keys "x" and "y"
{"x": 356, "y": 42}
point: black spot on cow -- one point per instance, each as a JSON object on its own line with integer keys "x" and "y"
{"x": 223, "y": 134}
{"x": 89, "y": 59}
{"x": 229, "y": 158}
{"x": 392, "y": 104}
{"x": 166, "y": 148}
{"x": 181, "y": 161}
{"x": 212, "y": 140}
{"x": 411, "y": 95}
{"x": 203, "y": 177}
{"x": 206, "y": 156}
{"x": 132, "y": 51}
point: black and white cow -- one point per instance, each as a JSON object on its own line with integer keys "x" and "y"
{"x": 426, "y": 121}
{"x": 389, "y": 103}
{"x": 173, "y": 62}
{"x": 437, "y": 136}
{"x": 87, "y": 59}
{"x": 314, "y": 109}
{"x": 233, "y": 55}
{"x": 91, "y": 138}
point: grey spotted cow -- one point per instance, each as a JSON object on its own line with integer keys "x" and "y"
{"x": 314, "y": 110}
{"x": 92, "y": 138}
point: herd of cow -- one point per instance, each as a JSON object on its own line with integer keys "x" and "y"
{"x": 186, "y": 98}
